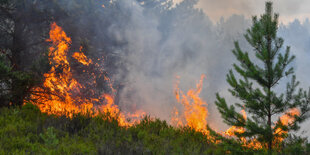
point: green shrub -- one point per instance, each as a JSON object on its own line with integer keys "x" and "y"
{"x": 49, "y": 138}
{"x": 28, "y": 131}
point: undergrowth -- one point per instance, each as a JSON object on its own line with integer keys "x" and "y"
{"x": 26, "y": 130}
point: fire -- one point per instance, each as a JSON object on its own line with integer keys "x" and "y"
{"x": 231, "y": 131}
{"x": 81, "y": 58}
{"x": 195, "y": 110}
{"x": 289, "y": 116}
{"x": 61, "y": 93}
{"x": 285, "y": 119}
{"x": 251, "y": 143}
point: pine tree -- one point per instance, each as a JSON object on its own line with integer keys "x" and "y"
{"x": 255, "y": 88}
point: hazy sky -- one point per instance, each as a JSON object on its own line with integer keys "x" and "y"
{"x": 288, "y": 9}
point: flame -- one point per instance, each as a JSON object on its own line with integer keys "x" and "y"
{"x": 250, "y": 143}
{"x": 81, "y": 58}
{"x": 195, "y": 110}
{"x": 285, "y": 119}
{"x": 234, "y": 129}
{"x": 289, "y": 116}
{"x": 61, "y": 92}
{"x": 175, "y": 119}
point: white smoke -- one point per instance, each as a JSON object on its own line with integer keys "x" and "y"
{"x": 185, "y": 42}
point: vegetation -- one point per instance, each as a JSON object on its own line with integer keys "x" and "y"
{"x": 108, "y": 28}
{"x": 256, "y": 87}
{"x": 26, "y": 130}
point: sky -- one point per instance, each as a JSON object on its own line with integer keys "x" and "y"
{"x": 289, "y": 9}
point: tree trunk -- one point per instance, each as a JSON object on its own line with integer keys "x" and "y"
{"x": 270, "y": 80}
{"x": 269, "y": 136}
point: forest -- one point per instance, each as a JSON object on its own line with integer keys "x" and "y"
{"x": 150, "y": 77}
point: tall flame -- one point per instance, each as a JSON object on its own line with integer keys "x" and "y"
{"x": 195, "y": 109}
{"x": 61, "y": 92}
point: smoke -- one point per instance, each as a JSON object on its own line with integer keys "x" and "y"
{"x": 147, "y": 44}
{"x": 179, "y": 42}
{"x": 288, "y": 9}
{"x": 183, "y": 41}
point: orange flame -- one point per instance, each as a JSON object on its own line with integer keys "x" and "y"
{"x": 285, "y": 119}
{"x": 252, "y": 143}
{"x": 231, "y": 131}
{"x": 57, "y": 96}
{"x": 195, "y": 110}
{"x": 81, "y": 58}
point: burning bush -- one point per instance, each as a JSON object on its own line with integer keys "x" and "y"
{"x": 63, "y": 94}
